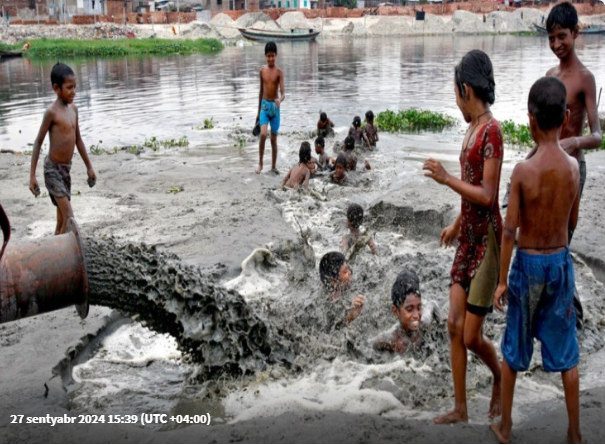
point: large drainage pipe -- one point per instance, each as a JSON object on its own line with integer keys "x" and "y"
{"x": 42, "y": 275}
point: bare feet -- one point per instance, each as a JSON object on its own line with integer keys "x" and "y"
{"x": 574, "y": 437}
{"x": 453, "y": 416}
{"x": 500, "y": 433}
{"x": 494, "y": 404}
{"x": 259, "y": 169}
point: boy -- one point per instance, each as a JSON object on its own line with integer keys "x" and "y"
{"x": 61, "y": 121}
{"x": 269, "y": 100}
{"x": 299, "y": 174}
{"x": 544, "y": 203}
{"x": 325, "y": 127}
{"x": 339, "y": 175}
{"x": 370, "y": 132}
{"x": 335, "y": 275}
{"x": 323, "y": 161}
{"x": 349, "y": 153}
{"x": 354, "y": 222}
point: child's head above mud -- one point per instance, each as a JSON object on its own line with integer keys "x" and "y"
{"x": 369, "y": 117}
{"x": 304, "y": 154}
{"x": 60, "y": 73}
{"x": 334, "y": 271}
{"x": 354, "y": 216}
{"x": 407, "y": 305}
{"x": 475, "y": 71}
{"x": 323, "y": 116}
{"x": 349, "y": 143}
{"x": 320, "y": 144}
{"x": 547, "y": 103}
{"x": 564, "y": 16}
{"x": 340, "y": 165}
{"x": 357, "y": 122}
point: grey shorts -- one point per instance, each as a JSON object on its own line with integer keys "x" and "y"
{"x": 57, "y": 179}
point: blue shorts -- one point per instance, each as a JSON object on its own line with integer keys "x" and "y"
{"x": 269, "y": 114}
{"x": 540, "y": 305}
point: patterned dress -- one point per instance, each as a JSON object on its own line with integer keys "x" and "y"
{"x": 476, "y": 219}
{"x": 371, "y": 132}
{"x": 357, "y": 134}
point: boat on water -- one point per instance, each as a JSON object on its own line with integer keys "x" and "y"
{"x": 264, "y": 35}
{"x": 589, "y": 29}
{"x": 10, "y": 54}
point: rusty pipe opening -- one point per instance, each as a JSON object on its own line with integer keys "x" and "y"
{"x": 43, "y": 275}
{"x": 6, "y": 229}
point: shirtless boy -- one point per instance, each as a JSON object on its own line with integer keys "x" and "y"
{"x": 271, "y": 83}
{"x": 354, "y": 222}
{"x": 299, "y": 174}
{"x": 544, "y": 203}
{"x": 325, "y": 127}
{"x": 61, "y": 121}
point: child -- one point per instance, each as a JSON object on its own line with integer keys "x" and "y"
{"x": 349, "y": 153}
{"x": 61, "y": 121}
{"x": 354, "y": 222}
{"x": 478, "y": 228}
{"x": 544, "y": 203}
{"x": 299, "y": 174}
{"x": 312, "y": 165}
{"x": 339, "y": 175}
{"x": 407, "y": 307}
{"x": 323, "y": 161}
{"x": 269, "y": 101}
{"x": 335, "y": 275}
{"x": 370, "y": 132}
{"x": 325, "y": 127}
{"x": 356, "y": 132}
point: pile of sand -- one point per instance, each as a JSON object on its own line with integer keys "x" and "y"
{"x": 249, "y": 19}
{"x": 431, "y": 25}
{"x": 390, "y": 27}
{"x": 200, "y": 29}
{"x": 266, "y": 25}
{"x": 294, "y": 20}
{"x": 530, "y": 16}
{"x": 503, "y": 22}
{"x": 225, "y": 26}
{"x": 464, "y": 22}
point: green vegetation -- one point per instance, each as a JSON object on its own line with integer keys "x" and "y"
{"x": 175, "y": 190}
{"x": 413, "y": 120}
{"x": 117, "y": 47}
{"x": 516, "y": 134}
{"x": 208, "y": 125}
{"x": 96, "y": 149}
{"x": 155, "y": 144}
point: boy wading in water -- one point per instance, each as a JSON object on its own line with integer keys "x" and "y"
{"x": 271, "y": 83}
{"x": 478, "y": 227}
{"x": 61, "y": 121}
{"x": 544, "y": 203}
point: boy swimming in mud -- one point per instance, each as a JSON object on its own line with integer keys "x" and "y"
{"x": 339, "y": 175}
{"x": 269, "y": 101}
{"x": 324, "y": 162}
{"x": 349, "y": 153}
{"x": 325, "y": 127}
{"x": 477, "y": 227}
{"x": 544, "y": 203}
{"x": 370, "y": 132}
{"x": 61, "y": 122}
{"x": 299, "y": 174}
{"x": 354, "y": 222}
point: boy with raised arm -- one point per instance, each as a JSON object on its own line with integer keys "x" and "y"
{"x": 61, "y": 122}
{"x": 269, "y": 100}
{"x": 544, "y": 202}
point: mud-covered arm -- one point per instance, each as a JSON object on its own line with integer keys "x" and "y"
{"x": 47, "y": 120}
{"x": 260, "y": 94}
{"x": 372, "y": 245}
{"x": 306, "y": 183}
{"x": 382, "y": 342}
{"x": 285, "y": 181}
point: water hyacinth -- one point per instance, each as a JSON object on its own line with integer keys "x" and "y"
{"x": 413, "y": 120}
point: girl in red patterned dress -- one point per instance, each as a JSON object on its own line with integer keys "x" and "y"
{"x": 478, "y": 227}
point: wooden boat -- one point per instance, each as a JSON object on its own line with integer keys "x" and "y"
{"x": 294, "y": 35}
{"x": 9, "y": 54}
{"x": 589, "y": 29}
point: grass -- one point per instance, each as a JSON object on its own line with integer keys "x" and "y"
{"x": 47, "y": 48}
{"x": 155, "y": 144}
{"x": 175, "y": 190}
{"x": 516, "y": 134}
{"x": 413, "y": 120}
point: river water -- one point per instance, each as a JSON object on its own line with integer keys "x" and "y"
{"x": 125, "y": 101}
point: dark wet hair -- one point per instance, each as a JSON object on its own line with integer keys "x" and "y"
{"x": 323, "y": 116}
{"x": 329, "y": 267}
{"x": 349, "y": 143}
{"x": 405, "y": 284}
{"x": 60, "y": 73}
{"x": 270, "y": 47}
{"x": 369, "y": 117}
{"x": 320, "y": 141}
{"x": 304, "y": 154}
{"x": 342, "y": 160}
{"x": 547, "y": 102}
{"x": 563, "y": 15}
{"x": 357, "y": 122}
{"x": 475, "y": 69}
{"x": 355, "y": 215}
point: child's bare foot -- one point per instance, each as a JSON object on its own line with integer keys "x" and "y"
{"x": 501, "y": 434}
{"x": 259, "y": 169}
{"x": 454, "y": 416}
{"x": 494, "y": 404}
{"x": 574, "y": 437}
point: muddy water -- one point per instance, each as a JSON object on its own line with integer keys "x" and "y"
{"x": 278, "y": 292}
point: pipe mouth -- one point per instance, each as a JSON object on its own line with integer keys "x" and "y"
{"x": 82, "y": 305}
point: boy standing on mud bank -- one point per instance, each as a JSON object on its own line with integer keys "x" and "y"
{"x": 544, "y": 203}
{"x": 269, "y": 100}
{"x": 61, "y": 121}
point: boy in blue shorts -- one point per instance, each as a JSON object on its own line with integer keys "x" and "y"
{"x": 544, "y": 203}
{"x": 269, "y": 100}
